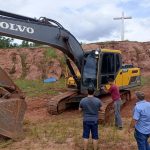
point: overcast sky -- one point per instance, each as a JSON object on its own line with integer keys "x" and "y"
{"x": 90, "y": 20}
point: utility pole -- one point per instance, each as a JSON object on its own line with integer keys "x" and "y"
{"x": 122, "y": 26}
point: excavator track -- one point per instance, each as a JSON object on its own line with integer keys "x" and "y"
{"x": 57, "y": 104}
{"x": 106, "y": 116}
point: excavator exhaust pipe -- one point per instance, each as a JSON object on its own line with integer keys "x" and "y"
{"x": 12, "y": 107}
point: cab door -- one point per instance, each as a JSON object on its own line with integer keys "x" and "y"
{"x": 110, "y": 68}
{"x": 119, "y": 72}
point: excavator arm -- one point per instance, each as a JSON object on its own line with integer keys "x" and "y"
{"x": 44, "y": 31}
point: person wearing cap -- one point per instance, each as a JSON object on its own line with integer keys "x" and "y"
{"x": 141, "y": 121}
{"x": 90, "y": 106}
{"x": 115, "y": 94}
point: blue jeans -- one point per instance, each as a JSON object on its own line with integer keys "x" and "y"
{"x": 142, "y": 140}
{"x": 118, "y": 120}
{"x": 90, "y": 126}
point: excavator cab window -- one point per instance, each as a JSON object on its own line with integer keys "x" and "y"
{"x": 118, "y": 62}
{"x": 90, "y": 70}
{"x": 108, "y": 64}
{"x": 111, "y": 64}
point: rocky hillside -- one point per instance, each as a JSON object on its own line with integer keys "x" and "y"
{"x": 136, "y": 53}
{"x": 44, "y": 62}
{"x": 31, "y": 63}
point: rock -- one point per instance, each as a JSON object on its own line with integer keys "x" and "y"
{"x": 52, "y": 71}
{"x": 35, "y": 63}
{"x": 11, "y": 62}
{"x": 29, "y": 63}
{"x": 33, "y": 73}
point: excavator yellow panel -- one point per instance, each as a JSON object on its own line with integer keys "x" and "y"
{"x": 128, "y": 77}
{"x": 111, "y": 51}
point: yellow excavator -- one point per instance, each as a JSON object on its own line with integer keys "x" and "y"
{"x": 126, "y": 77}
{"x": 94, "y": 66}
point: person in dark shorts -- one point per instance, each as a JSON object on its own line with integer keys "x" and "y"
{"x": 115, "y": 94}
{"x": 90, "y": 106}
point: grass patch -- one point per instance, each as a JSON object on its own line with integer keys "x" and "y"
{"x": 145, "y": 80}
{"x": 5, "y": 143}
{"x": 24, "y": 65}
{"x": 37, "y": 87}
{"x": 50, "y": 53}
{"x": 57, "y": 131}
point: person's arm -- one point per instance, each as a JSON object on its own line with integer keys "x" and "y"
{"x": 105, "y": 89}
{"x": 80, "y": 106}
{"x": 80, "y": 109}
{"x": 101, "y": 106}
{"x": 136, "y": 117}
{"x": 132, "y": 125}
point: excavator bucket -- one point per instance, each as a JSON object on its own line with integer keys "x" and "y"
{"x": 12, "y": 107}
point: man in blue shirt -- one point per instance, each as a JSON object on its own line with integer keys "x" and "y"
{"x": 141, "y": 121}
{"x": 90, "y": 106}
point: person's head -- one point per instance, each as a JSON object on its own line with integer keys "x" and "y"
{"x": 110, "y": 81}
{"x": 140, "y": 95}
{"x": 90, "y": 91}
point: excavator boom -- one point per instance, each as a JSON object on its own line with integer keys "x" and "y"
{"x": 45, "y": 31}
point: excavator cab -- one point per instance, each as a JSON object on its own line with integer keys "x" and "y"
{"x": 98, "y": 66}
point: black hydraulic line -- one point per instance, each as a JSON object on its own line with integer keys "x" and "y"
{"x": 73, "y": 73}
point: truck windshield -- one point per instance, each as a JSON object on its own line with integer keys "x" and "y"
{"x": 90, "y": 70}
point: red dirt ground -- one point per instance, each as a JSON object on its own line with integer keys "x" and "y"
{"x": 37, "y": 107}
{"x": 127, "y": 109}
{"x": 37, "y": 112}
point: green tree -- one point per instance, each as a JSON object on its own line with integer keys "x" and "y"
{"x": 6, "y": 42}
{"x": 36, "y": 44}
{"x": 25, "y": 44}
